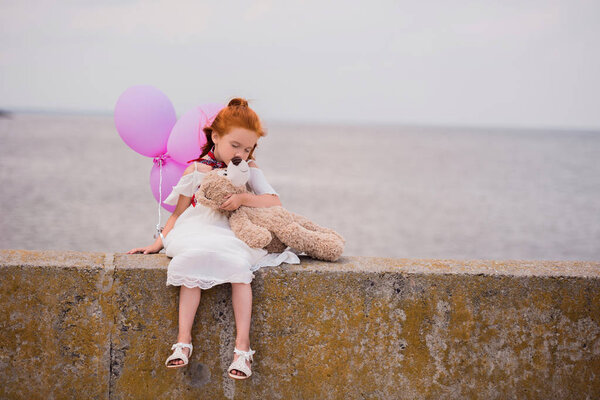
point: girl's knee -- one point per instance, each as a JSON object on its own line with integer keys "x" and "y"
{"x": 243, "y": 287}
{"x": 189, "y": 292}
{"x": 184, "y": 288}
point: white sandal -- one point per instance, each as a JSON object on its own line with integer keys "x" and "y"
{"x": 178, "y": 354}
{"x": 240, "y": 363}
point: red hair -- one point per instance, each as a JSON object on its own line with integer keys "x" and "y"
{"x": 237, "y": 114}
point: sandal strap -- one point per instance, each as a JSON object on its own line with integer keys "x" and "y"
{"x": 241, "y": 366}
{"x": 178, "y": 353}
{"x": 245, "y": 354}
{"x": 188, "y": 345}
{"x": 183, "y": 345}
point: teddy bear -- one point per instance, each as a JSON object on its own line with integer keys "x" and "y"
{"x": 271, "y": 228}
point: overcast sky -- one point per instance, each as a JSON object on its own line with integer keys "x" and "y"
{"x": 504, "y": 63}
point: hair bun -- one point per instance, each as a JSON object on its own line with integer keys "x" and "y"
{"x": 238, "y": 101}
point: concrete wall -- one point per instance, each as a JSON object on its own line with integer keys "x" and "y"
{"x": 94, "y": 325}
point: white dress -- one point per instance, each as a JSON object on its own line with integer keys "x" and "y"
{"x": 205, "y": 252}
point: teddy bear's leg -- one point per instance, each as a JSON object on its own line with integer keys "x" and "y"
{"x": 311, "y": 226}
{"x": 329, "y": 247}
{"x": 253, "y": 235}
{"x": 276, "y": 246}
{"x": 321, "y": 245}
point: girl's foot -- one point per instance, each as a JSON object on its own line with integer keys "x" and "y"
{"x": 240, "y": 368}
{"x": 235, "y": 371}
{"x": 179, "y": 361}
{"x": 240, "y": 345}
{"x": 180, "y": 357}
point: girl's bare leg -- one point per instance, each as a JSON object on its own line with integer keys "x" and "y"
{"x": 241, "y": 297}
{"x": 189, "y": 299}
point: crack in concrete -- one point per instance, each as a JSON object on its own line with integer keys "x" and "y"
{"x": 110, "y": 269}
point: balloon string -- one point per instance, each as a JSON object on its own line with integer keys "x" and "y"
{"x": 158, "y": 230}
{"x": 160, "y": 160}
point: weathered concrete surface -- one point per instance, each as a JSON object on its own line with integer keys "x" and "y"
{"x": 89, "y": 325}
{"x": 55, "y": 326}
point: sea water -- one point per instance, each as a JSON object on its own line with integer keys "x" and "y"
{"x": 71, "y": 183}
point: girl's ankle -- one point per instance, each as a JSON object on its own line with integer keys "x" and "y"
{"x": 242, "y": 345}
{"x": 184, "y": 339}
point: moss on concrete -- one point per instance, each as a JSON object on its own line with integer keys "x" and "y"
{"x": 55, "y": 334}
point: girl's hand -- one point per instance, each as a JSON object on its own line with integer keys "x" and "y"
{"x": 153, "y": 248}
{"x": 233, "y": 202}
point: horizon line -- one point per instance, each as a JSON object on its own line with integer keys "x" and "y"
{"x": 416, "y": 124}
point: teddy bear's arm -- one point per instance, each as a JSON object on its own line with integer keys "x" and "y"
{"x": 200, "y": 197}
{"x": 253, "y": 235}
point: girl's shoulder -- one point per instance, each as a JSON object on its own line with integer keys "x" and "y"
{"x": 196, "y": 166}
{"x": 252, "y": 164}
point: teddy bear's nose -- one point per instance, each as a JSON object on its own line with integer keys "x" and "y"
{"x": 236, "y": 160}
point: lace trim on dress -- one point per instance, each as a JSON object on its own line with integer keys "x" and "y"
{"x": 189, "y": 282}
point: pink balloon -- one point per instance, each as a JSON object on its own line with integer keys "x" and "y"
{"x": 171, "y": 173}
{"x": 211, "y": 110}
{"x": 144, "y": 117}
{"x": 187, "y": 137}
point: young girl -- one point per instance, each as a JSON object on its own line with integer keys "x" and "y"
{"x": 204, "y": 250}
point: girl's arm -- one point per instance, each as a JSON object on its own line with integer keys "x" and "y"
{"x": 182, "y": 204}
{"x": 234, "y": 201}
{"x": 251, "y": 199}
{"x": 260, "y": 200}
